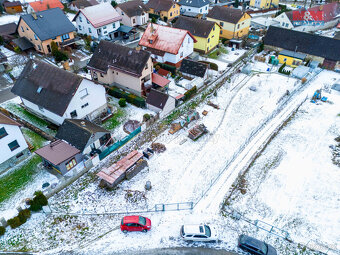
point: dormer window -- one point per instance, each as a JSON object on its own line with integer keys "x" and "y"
{"x": 150, "y": 41}
{"x": 39, "y": 90}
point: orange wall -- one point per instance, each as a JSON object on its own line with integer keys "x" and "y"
{"x": 13, "y": 9}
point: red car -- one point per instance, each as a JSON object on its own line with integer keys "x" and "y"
{"x": 135, "y": 223}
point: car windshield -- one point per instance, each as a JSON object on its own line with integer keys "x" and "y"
{"x": 207, "y": 231}
{"x": 263, "y": 248}
{"x": 142, "y": 220}
{"x": 182, "y": 231}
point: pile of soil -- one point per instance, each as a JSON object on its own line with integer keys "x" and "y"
{"x": 130, "y": 126}
{"x": 158, "y": 147}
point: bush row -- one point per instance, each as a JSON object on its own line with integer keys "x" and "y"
{"x": 282, "y": 69}
{"x": 130, "y": 98}
{"x": 190, "y": 93}
{"x": 20, "y": 219}
{"x": 213, "y": 66}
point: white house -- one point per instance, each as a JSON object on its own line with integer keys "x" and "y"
{"x": 194, "y": 7}
{"x": 12, "y": 143}
{"x": 99, "y": 21}
{"x": 160, "y": 102}
{"x": 55, "y": 94}
{"x": 167, "y": 44}
{"x": 134, "y": 13}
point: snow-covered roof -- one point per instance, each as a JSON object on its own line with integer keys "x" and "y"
{"x": 100, "y": 15}
{"x": 163, "y": 38}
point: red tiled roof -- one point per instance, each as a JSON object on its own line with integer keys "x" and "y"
{"x": 330, "y": 11}
{"x": 46, "y": 4}
{"x": 166, "y": 39}
{"x": 57, "y": 152}
{"x": 159, "y": 80}
{"x": 163, "y": 72}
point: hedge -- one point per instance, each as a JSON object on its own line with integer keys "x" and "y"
{"x": 151, "y": 15}
{"x": 130, "y": 98}
{"x": 2, "y": 230}
{"x": 212, "y": 65}
{"x": 24, "y": 215}
{"x": 14, "y": 222}
{"x": 170, "y": 68}
{"x": 38, "y": 201}
{"x": 190, "y": 93}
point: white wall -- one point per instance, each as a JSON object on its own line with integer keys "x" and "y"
{"x": 14, "y": 133}
{"x": 83, "y": 26}
{"x": 128, "y": 21}
{"x": 96, "y": 100}
{"x": 201, "y": 10}
{"x": 284, "y": 21}
{"x": 186, "y": 48}
{"x": 169, "y": 106}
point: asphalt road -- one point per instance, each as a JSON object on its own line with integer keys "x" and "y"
{"x": 6, "y": 94}
{"x": 182, "y": 251}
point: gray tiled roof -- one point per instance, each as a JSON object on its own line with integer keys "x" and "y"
{"x": 226, "y": 14}
{"x": 194, "y": 3}
{"x": 49, "y": 23}
{"x": 133, "y": 8}
{"x": 197, "y": 27}
{"x": 193, "y": 68}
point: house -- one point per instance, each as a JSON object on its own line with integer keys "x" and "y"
{"x": 206, "y": 32}
{"x": 81, "y": 4}
{"x": 12, "y": 7}
{"x": 194, "y": 7}
{"x": 159, "y": 82}
{"x": 193, "y": 69}
{"x": 134, "y": 13}
{"x": 330, "y": 18}
{"x": 60, "y": 156}
{"x": 233, "y": 22}
{"x": 122, "y": 67}
{"x": 165, "y": 9}
{"x": 84, "y": 135}
{"x": 291, "y": 58}
{"x": 98, "y": 21}
{"x": 7, "y": 31}
{"x": 55, "y": 94}
{"x": 160, "y": 102}
{"x": 44, "y": 27}
{"x": 12, "y": 142}
{"x": 167, "y": 44}
{"x": 43, "y": 5}
{"x": 264, "y": 4}
{"x": 286, "y": 39}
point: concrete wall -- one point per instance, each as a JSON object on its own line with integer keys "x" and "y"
{"x": 135, "y": 20}
{"x": 201, "y": 10}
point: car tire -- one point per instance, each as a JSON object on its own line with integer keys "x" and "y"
{"x": 124, "y": 231}
{"x": 144, "y": 230}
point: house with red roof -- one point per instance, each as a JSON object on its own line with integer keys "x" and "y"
{"x": 99, "y": 21}
{"x": 167, "y": 44}
{"x": 43, "y": 5}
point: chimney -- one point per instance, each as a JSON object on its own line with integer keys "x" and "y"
{"x": 82, "y": 123}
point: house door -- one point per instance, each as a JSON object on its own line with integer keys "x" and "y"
{"x": 49, "y": 48}
{"x": 115, "y": 34}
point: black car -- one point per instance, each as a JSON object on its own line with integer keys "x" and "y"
{"x": 255, "y": 246}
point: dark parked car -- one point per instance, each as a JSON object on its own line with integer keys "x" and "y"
{"x": 254, "y": 246}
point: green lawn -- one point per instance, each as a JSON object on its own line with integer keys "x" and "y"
{"x": 33, "y": 138}
{"x": 115, "y": 120}
{"x": 16, "y": 179}
{"x": 215, "y": 54}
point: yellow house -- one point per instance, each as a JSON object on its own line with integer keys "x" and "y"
{"x": 205, "y": 32}
{"x": 41, "y": 28}
{"x": 233, "y": 22}
{"x": 166, "y": 9}
{"x": 264, "y": 4}
{"x": 291, "y": 58}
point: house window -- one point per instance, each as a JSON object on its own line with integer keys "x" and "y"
{"x": 35, "y": 37}
{"x": 3, "y": 132}
{"x": 41, "y": 108}
{"x": 200, "y": 10}
{"x": 221, "y": 23}
{"x": 105, "y": 32}
{"x": 84, "y": 105}
{"x": 88, "y": 22}
{"x": 27, "y": 28}
{"x": 83, "y": 93}
{"x": 221, "y": 32}
{"x": 134, "y": 21}
{"x": 146, "y": 66}
{"x": 122, "y": 13}
{"x": 80, "y": 19}
{"x": 181, "y": 54}
{"x": 283, "y": 24}
{"x": 114, "y": 25}
{"x": 90, "y": 30}
{"x": 19, "y": 155}
{"x": 39, "y": 47}
{"x": 104, "y": 27}
{"x": 170, "y": 14}
{"x": 174, "y": 6}
{"x": 101, "y": 75}
{"x": 79, "y": 27}
{"x": 285, "y": 59}
{"x": 65, "y": 37}
{"x": 238, "y": 26}
{"x": 22, "y": 29}
{"x": 99, "y": 31}
{"x": 214, "y": 28}
{"x": 189, "y": 9}
{"x": 72, "y": 163}
{"x": 206, "y": 8}
{"x": 13, "y": 145}
{"x": 208, "y": 40}
{"x": 73, "y": 114}
{"x": 286, "y": 24}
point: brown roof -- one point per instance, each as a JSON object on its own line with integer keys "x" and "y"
{"x": 8, "y": 29}
{"x": 198, "y": 27}
{"x": 133, "y": 8}
{"x": 157, "y": 99}
{"x": 57, "y": 152}
{"x": 81, "y": 3}
{"x": 160, "y": 5}
{"x": 12, "y": 4}
{"x": 163, "y": 72}
{"x": 112, "y": 173}
{"x": 7, "y": 120}
{"x": 226, "y": 14}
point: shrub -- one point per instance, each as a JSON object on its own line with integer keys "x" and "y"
{"x": 153, "y": 20}
{"x": 130, "y": 98}
{"x": 282, "y": 68}
{"x": 146, "y": 117}
{"x": 224, "y": 40}
{"x": 113, "y": 3}
{"x": 24, "y": 215}
{"x": 17, "y": 50}
{"x": 190, "y": 93}
{"x": 57, "y": 54}
{"x": 122, "y": 102}
{"x": 38, "y": 201}
{"x": 1, "y": 40}
{"x": 165, "y": 19}
{"x": 212, "y": 66}
{"x": 2, "y": 230}
{"x": 261, "y": 48}
{"x": 14, "y": 222}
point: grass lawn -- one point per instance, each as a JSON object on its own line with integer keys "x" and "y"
{"x": 31, "y": 118}
{"x": 16, "y": 179}
{"x": 215, "y": 54}
{"x": 33, "y": 138}
{"x": 115, "y": 120}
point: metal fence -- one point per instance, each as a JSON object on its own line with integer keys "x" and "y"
{"x": 174, "y": 206}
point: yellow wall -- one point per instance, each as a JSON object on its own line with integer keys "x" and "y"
{"x": 289, "y": 60}
{"x": 13, "y": 9}
{"x": 29, "y": 34}
{"x": 170, "y": 14}
{"x": 265, "y": 4}
{"x": 203, "y": 45}
{"x": 230, "y": 30}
